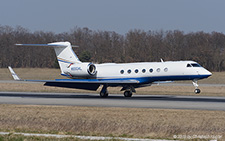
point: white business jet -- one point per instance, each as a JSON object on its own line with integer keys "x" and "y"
{"x": 89, "y": 76}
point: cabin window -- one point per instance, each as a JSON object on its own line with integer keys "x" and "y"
{"x": 158, "y": 70}
{"x": 166, "y": 69}
{"x": 150, "y": 70}
{"x": 136, "y": 71}
{"x": 195, "y": 65}
{"x": 188, "y": 65}
{"x": 122, "y": 71}
{"x": 129, "y": 71}
{"x": 143, "y": 70}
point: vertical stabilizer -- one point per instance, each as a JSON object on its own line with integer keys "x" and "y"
{"x": 65, "y": 55}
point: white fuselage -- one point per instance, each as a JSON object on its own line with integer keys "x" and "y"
{"x": 145, "y": 72}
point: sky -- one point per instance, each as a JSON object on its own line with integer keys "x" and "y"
{"x": 114, "y": 15}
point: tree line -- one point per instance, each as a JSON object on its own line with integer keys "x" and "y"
{"x": 208, "y": 49}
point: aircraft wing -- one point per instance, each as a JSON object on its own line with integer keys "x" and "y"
{"x": 88, "y": 84}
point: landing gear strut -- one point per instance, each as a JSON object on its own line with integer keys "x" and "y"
{"x": 104, "y": 92}
{"x": 195, "y": 83}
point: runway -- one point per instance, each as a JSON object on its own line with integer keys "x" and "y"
{"x": 114, "y": 100}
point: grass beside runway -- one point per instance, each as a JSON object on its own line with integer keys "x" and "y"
{"x": 31, "y": 73}
{"x": 12, "y": 137}
{"x": 123, "y": 122}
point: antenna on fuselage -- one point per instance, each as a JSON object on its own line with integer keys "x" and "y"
{"x": 161, "y": 60}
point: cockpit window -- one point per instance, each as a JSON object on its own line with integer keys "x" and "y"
{"x": 188, "y": 65}
{"x": 195, "y": 65}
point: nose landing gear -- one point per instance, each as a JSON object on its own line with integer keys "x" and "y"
{"x": 195, "y": 83}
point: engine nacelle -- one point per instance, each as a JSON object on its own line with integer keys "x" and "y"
{"x": 82, "y": 70}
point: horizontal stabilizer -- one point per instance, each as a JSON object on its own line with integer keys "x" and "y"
{"x": 45, "y": 45}
{"x": 14, "y": 75}
{"x": 40, "y": 45}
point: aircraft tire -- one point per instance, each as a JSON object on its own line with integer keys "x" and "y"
{"x": 197, "y": 91}
{"x": 127, "y": 94}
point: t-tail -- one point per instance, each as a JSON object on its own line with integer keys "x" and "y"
{"x": 65, "y": 55}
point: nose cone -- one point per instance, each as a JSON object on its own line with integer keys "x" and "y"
{"x": 206, "y": 73}
{"x": 209, "y": 73}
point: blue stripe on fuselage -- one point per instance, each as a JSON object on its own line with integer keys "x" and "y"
{"x": 171, "y": 78}
{"x": 145, "y": 80}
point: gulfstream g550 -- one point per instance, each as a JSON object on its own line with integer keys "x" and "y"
{"x": 129, "y": 76}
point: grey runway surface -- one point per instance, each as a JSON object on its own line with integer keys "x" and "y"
{"x": 114, "y": 100}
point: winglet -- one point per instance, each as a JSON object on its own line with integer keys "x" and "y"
{"x": 14, "y": 75}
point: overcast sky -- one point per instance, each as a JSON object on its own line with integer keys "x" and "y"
{"x": 115, "y": 15}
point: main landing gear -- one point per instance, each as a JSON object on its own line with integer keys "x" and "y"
{"x": 104, "y": 92}
{"x": 127, "y": 93}
{"x": 195, "y": 83}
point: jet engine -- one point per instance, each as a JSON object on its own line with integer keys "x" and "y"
{"x": 91, "y": 69}
{"x": 86, "y": 70}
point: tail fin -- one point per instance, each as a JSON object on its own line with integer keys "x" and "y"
{"x": 65, "y": 54}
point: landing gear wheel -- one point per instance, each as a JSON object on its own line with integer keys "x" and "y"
{"x": 127, "y": 94}
{"x": 104, "y": 94}
{"x": 197, "y": 91}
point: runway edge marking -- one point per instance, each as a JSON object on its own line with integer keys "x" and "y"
{"x": 83, "y": 137}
